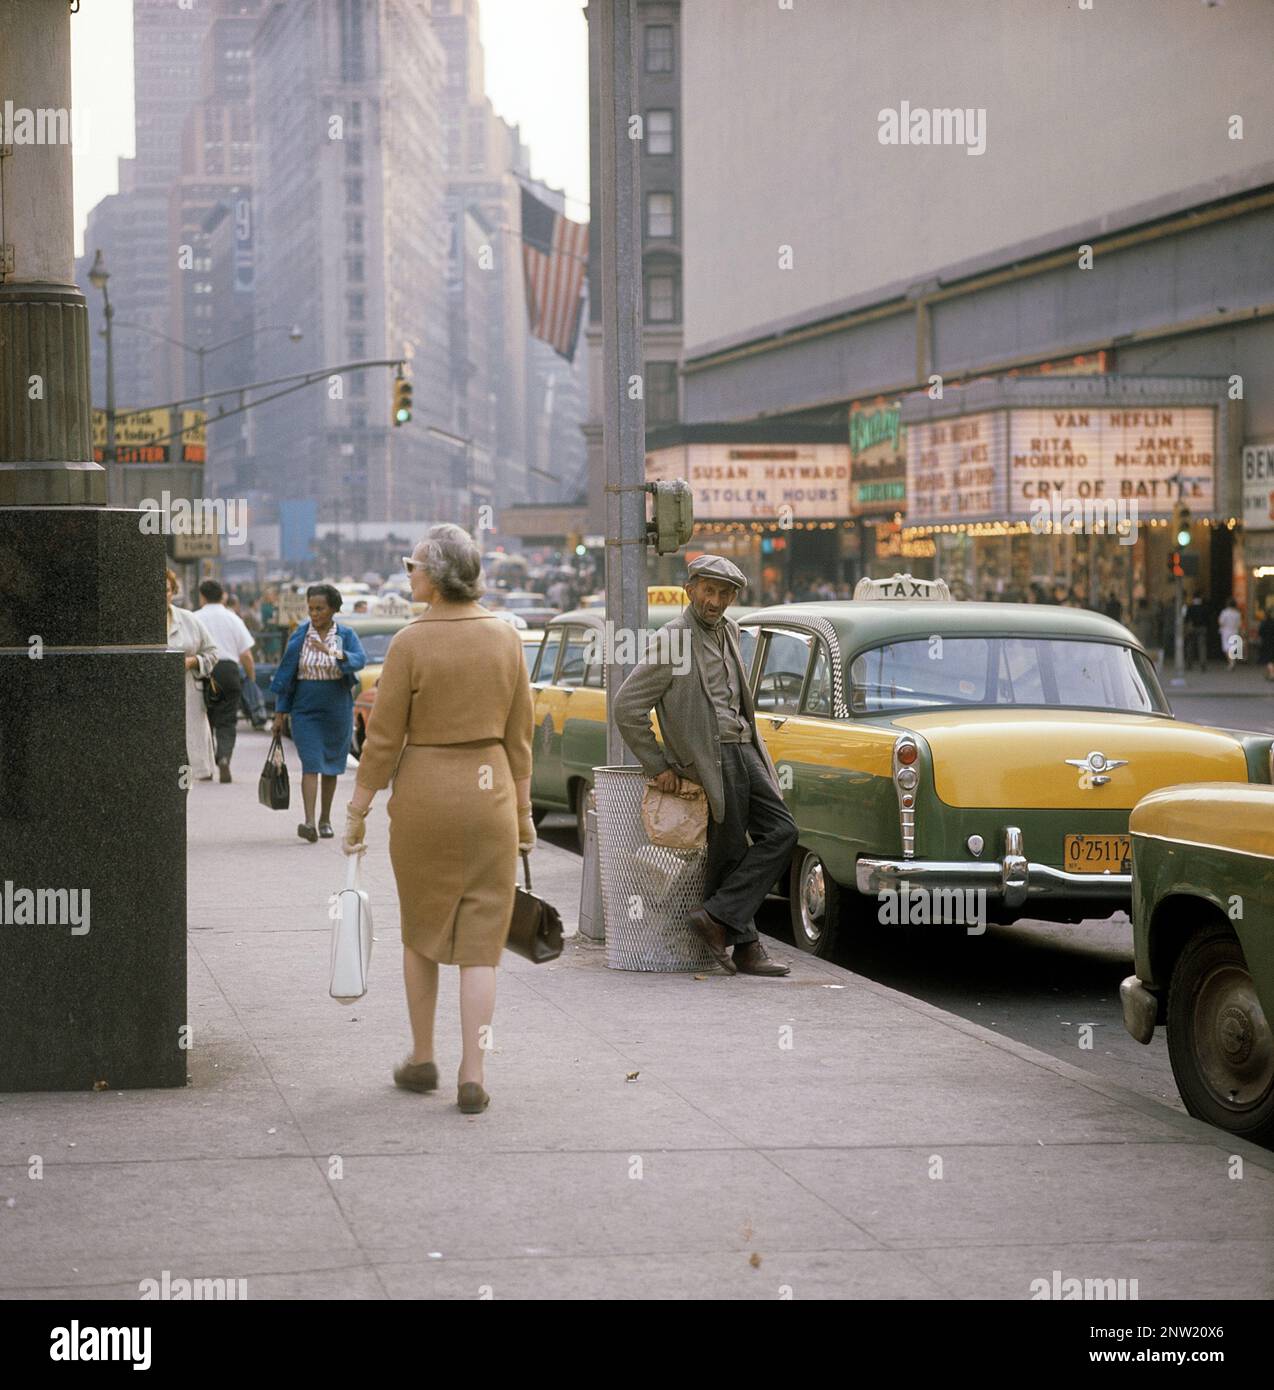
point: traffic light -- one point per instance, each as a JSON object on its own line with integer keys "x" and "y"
{"x": 1175, "y": 568}
{"x": 402, "y": 400}
{"x": 1181, "y": 524}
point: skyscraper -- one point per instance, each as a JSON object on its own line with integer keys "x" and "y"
{"x": 352, "y": 240}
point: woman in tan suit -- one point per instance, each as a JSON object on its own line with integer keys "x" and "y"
{"x": 452, "y": 727}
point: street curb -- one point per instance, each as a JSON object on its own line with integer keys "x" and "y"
{"x": 1190, "y": 1128}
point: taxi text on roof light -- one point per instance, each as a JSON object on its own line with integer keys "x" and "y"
{"x": 902, "y": 586}
{"x": 667, "y": 593}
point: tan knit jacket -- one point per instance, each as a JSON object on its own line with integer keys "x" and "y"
{"x": 454, "y": 675}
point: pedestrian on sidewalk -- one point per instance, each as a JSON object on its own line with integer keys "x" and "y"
{"x": 190, "y": 637}
{"x": 1229, "y": 623}
{"x": 708, "y": 723}
{"x": 1265, "y": 634}
{"x": 234, "y": 657}
{"x": 452, "y": 726}
{"x": 251, "y": 701}
{"x": 314, "y": 688}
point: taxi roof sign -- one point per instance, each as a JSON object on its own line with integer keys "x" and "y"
{"x": 902, "y": 586}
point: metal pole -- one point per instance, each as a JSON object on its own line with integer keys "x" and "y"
{"x": 1179, "y": 628}
{"x": 623, "y": 418}
{"x": 114, "y": 490}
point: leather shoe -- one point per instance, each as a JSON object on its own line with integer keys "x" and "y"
{"x": 224, "y": 765}
{"x": 325, "y": 830}
{"x": 307, "y": 832}
{"x": 750, "y": 958}
{"x": 713, "y": 936}
{"x": 471, "y": 1098}
{"x": 416, "y": 1076}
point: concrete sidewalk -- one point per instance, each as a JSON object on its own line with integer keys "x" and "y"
{"x": 648, "y": 1135}
{"x": 1246, "y": 680}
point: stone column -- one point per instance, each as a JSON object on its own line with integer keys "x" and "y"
{"x": 92, "y": 734}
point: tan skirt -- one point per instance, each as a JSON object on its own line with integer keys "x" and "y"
{"x": 453, "y": 842}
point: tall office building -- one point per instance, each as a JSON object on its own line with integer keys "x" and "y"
{"x": 131, "y": 227}
{"x": 484, "y": 157}
{"x": 659, "y": 96}
{"x": 352, "y": 242}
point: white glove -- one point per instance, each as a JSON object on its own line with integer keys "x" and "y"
{"x": 526, "y": 830}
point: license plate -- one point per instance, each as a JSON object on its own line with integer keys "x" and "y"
{"x": 1097, "y": 854}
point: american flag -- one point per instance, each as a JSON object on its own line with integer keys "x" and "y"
{"x": 554, "y": 261}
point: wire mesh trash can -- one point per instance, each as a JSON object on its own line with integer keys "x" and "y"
{"x": 647, "y": 891}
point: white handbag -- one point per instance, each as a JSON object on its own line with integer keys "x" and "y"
{"x": 351, "y": 938}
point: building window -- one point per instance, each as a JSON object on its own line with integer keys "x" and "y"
{"x": 658, "y": 47}
{"x": 356, "y": 114}
{"x": 661, "y": 393}
{"x": 354, "y": 269}
{"x": 659, "y": 132}
{"x": 357, "y": 346}
{"x": 351, "y": 40}
{"x": 659, "y": 215}
{"x": 354, "y": 192}
{"x": 358, "y": 384}
{"x": 354, "y": 231}
{"x": 354, "y": 304}
{"x": 661, "y": 299}
{"x": 353, "y": 152}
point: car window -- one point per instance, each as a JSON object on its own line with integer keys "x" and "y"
{"x": 376, "y": 644}
{"x": 783, "y": 671}
{"x": 747, "y": 649}
{"x": 548, "y": 656}
{"x": 573, "y": 657}
{"x": 1028, "y": 671}
{"x": 818, "y": 696}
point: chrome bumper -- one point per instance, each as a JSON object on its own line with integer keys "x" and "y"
{"x": 1012, "y": 878}
{"x": 1141, "y": 1008}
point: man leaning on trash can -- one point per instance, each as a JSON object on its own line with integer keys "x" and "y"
{"x": 708, "y": 724}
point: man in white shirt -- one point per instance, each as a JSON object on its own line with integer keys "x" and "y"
{"x": 234, "y": 646}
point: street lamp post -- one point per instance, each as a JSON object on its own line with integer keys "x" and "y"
{"x": 98, "y": 276}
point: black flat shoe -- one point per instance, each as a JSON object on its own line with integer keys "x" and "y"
{"x": 325, "y": 830}
{"x": 307, "y": 832}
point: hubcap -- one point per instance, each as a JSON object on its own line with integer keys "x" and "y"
{"x": 1233, "y": 1042}
{"x": 813, "y": 897}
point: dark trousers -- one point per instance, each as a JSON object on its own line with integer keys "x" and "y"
{"x": 223, "y": 706}
{"x": 738, "y": 875}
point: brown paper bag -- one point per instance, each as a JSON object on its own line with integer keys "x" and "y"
{"x": 676, "y": 820}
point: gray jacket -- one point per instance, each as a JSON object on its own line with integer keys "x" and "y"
{"x": 687, "y": 721}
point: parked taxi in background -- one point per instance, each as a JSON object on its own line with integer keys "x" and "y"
{"x": 1203, "y": 936}
{"x": 943, "y": 746}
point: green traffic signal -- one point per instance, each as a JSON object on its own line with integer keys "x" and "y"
{"x": 402, "y": 400}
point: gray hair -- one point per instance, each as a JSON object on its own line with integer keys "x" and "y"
{"x": 452, "y": 561}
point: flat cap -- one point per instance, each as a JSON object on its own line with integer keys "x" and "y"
{"x": 716, "y": 567}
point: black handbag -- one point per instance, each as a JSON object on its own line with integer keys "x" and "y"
{"x": 535, "y": 932}
{"x": 273, "y": 790}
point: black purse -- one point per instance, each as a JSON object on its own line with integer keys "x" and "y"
{"x": 273, "y": 789}
{"x": 535, "y": 932}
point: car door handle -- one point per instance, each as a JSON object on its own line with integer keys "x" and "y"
{"x": 778, "y": 720}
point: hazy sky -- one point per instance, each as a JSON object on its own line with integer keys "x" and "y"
{"x": 536, "y": 72}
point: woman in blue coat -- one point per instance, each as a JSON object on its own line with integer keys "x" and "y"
{"x": 314, "y": 687}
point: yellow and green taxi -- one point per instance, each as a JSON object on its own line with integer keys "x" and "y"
{"x": 1203, "y": 936}
{"x": 936, "y": 746}
{"x": 570, "y": 709}
{"x": 951, "y": 747}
